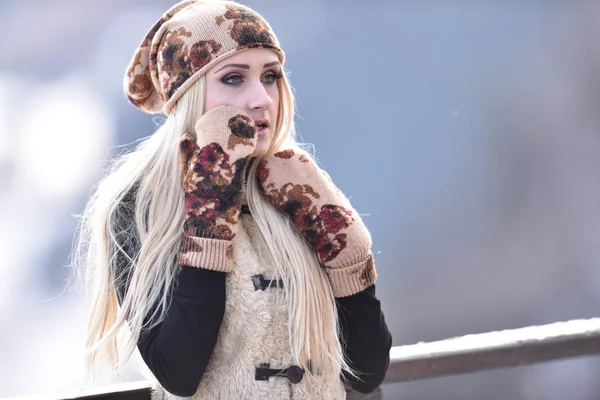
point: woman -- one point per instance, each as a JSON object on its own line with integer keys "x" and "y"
{"x": 239, "y": 269}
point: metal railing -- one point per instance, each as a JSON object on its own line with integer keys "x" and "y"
{"x": 499, "y": 349}
{"x": 119, "y": 391}
{"x": 470, "y": 353}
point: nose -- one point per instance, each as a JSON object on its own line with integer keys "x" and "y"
{"x": 259, "y": 98}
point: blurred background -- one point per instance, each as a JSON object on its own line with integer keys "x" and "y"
{"x": 467, "y": 133}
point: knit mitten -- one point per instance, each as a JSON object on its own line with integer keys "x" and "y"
{"x": 323, "y": 215}
{"x": 212, "y": 175}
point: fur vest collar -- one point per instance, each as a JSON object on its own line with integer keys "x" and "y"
{"x": 253, "y": 342}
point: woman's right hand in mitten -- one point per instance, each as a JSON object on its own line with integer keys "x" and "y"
{"x": 212, "y": 175}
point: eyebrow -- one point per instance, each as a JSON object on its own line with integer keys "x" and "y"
{"x": 246, "y": 66}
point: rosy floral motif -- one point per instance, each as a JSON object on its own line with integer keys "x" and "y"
{"x": 286, "y": 154}
{"x": 248, "y": 28}
{"x": 330, "y": 247}
{"x": 321, "y": 228}
{"x": 212, "y": 187}
{"x": 202, "y": 53}
{"x": 140, "y": 85}
{"x": 367, "y": 274}
{"x": 175, "y": 68}
{"x": 191, "y": 245}
{"x": 335, "y": 218}
{"x": 262, "y": 173}
{"x": 211, "y": 158}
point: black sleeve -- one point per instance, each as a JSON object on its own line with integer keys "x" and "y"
{"x": 178, "y": 349}
{"x": 367, "y": 339}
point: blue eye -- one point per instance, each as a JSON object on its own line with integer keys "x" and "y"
{"x": 232, "y": 79}
{"x": 235, "y": 79}
{"x": 272, "y": 77}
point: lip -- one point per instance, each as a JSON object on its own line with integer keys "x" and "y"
{"x": 265, "y": 126}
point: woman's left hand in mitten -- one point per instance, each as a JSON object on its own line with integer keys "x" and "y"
{"x": 323, "y": 215}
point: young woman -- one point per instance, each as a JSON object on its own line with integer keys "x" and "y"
{"x": 238, "y": 268}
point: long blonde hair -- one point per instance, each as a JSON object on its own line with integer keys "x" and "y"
{"x": 151, "y": 173}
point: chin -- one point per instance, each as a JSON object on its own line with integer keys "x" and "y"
{"x": 259, "y": 151}
{"x": 261, "y": 148}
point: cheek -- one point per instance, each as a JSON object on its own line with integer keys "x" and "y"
{"x": 274, "y": 110}
{"x": 213, "y": 98}
{"x": 218, "y": 95}
{"x": 274, "y": 94}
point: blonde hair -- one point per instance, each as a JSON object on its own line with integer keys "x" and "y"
{"x": 155, "y": 225}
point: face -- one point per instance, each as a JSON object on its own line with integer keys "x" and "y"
{"x": 248, "y": 80}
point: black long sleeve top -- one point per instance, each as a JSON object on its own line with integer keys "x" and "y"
{"x": 177, "y": 350}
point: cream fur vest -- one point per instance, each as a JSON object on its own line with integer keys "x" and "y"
{"x": 255, "y": 331}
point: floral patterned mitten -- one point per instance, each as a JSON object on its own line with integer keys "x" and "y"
{"x": 323, "y": 215}
{"x": 212, "y": 176}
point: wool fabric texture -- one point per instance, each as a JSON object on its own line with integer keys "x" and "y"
{"x": 323, "y": 215}
{"x": 188, "y": 40}
{"x": 213, "y": 168}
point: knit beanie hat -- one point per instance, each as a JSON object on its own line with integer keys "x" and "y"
{"x": 190, "y": 38}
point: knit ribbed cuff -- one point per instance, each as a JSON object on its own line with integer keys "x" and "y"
{"x": 353, "y": 279}
{"x": 213, "y": 254}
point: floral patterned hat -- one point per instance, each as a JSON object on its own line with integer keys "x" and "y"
{"x": 187, "y": 41}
